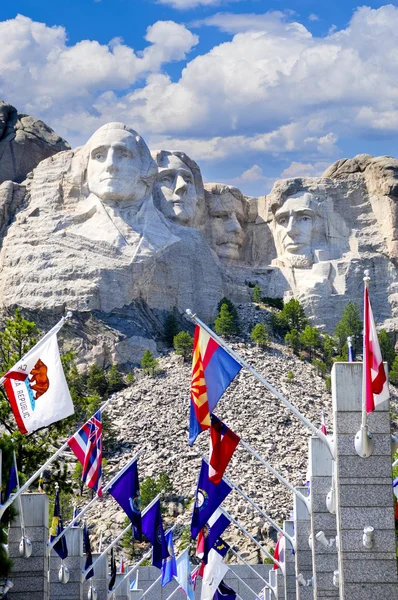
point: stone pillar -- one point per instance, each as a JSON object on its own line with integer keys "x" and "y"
{"x": 100, "y": 579}
{"x": 74, "y": 562}
{"x": 324, "y": 559}
{"x": 290, "y": 567}
{"x": 303, "y": 556}
{"x": 29, "y": 575}
{"x": 122, "y": 592}
{"x": 276, "y": 580}
{"x": 364, "y": 495}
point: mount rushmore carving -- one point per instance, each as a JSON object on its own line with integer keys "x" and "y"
{"x": 112, "y": 228}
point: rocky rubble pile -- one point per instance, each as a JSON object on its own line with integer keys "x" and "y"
{"x": 152, "y": 416}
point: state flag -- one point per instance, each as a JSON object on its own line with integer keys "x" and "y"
{"x": 169, "y": 566}
{"x": 152, "y": 527}
{"x": 214, "y": 573}
{"x": 12, "y": 480}
{"x": 224, "y": 591}
{"x": 87, "y": 447}
{"x": 223, "y": 442}
{"x": 376, "y": 385}
{"x": 279, "y": 552}
{"x": 126, "y": 491}
{"x": 57, "y": 528}
{"x": 213, "y": 369}
{"x": 112, "y": 579}
{"x": 183, "y": 576}
{"x": 88, "y": 552}
{"x": 214, "y": 527}
{"x": 36, "y": 387}
{"x": 208, "y": 498}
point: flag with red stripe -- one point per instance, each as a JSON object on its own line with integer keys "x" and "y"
{"x": 376, "y": 385}
{"x": 223, "y": 442}
{"x": 213, "y": 369}
{"x": 87, "y": 446}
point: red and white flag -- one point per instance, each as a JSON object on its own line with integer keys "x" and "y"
{"x": 223, "y": 442}
{"x": 279, "y": 552}
{"x": 323, "y": 424}
{"x": 376, "y": 385}
{"x": 36, "y": 387}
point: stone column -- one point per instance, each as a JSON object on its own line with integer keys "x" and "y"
{"x": 290, "y": 567}
{"x": 74, "y": 562}
{"x": 122, "y": 592}
{"x": 276, "y": 580}
{"x": 303, "y": 556}
{"x": 364, "y": 495}
{"x": 324, "y": 559}
{"x": 100, "y": 579}
{"x": 29, "y": 575}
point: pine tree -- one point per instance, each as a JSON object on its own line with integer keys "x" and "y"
{"x": 292, "y": 339}
{"x": 232, "y": 310}
{"x": 115, "y": 380}
{"x": 393, "y": 374}
{"x": 225, "y": 324}
{"x": 256, "y": 294}
{"x": 171, "y": 329}
{"x": 349, "y": 325}
{"x": 259, "y": 335}
{"x": 310, "y": 339}
{"x": 97, "y": 382}
{"x": 149, "y": 363}
{"x": 292, "y": 316}
{"x": 183, "y": 343}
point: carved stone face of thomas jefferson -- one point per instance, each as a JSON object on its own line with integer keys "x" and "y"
{"x": 114, "y": 170}
{"x": 175, "y": 190}
{"x": 293, "y": 227}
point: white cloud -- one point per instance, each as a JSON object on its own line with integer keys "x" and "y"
{"x": 40, "y": 70}
{"x": 272, "y": 89}
{"x": 298, "y": 169}
{"x": 255, "y": 173}
{"x": 313, "y": 17}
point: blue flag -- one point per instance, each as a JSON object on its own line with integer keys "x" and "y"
{"x": 221, "y": 547}
{"x": 152, "y": 527}
{"x": 208, "y": 498}
{"x": 224, "y": 591}
{"x": 214, "y": 527}
{"x": 87, "y": 550}
{"x": 126, "y": 491}
{"x": 12, "y": 481}
{"x": 56, "y": 528}
{"x": 169, "y": 567}
{"x": 183, "y": 576}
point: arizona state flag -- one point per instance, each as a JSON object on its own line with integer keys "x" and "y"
{"x": 213, "y": 369}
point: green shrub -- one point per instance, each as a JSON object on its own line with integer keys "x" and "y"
{"x": 232, "y": 311}
{"x": 328, "y": 383}
{"x": 259, "y": 335}
{"x": 349, "y": 325}
{"x": 148, "y": 363}
{"x": 225, "y": 323}
{"x": 386, "y": 347}
{"x": 320, "y": 367}
{"x": 290, "y": 376}
{"x": 292, "y": 339}
{"x": 183, "y": 344}
{"x": 256, "y": 294}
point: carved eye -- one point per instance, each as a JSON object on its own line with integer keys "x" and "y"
{"x": 282, "y": 221}
{"x": 305, "y": 219}
{"x": 166, "y": 179}
{"x": 98, "y": 156}
{"x": 188, "y": 179}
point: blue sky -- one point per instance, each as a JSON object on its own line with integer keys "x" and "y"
{"x": 252, "y": 90}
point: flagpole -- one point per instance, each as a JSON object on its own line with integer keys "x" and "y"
{"x": 231, "y": 518}
{"x": 21, "y": 517}
{"x": 264, "y": 514}
{"x": 35, "y": 475}
{"x": 252, "y": 569}
{"x": 43, "y": 340}
{"x": 244, "y": 582}
{"x": 286, "y": 483}
{"x": 84, "y": 572}
{"x": 271, "y": 388}
{"x": 138, "y": 564}
{"x": 92, "y": 501}
{"x": 364, "y": 444}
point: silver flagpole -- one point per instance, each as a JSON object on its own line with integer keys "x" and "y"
{"x": 138, "y": 564}
{"x": 231, "y": 518}
{"x": 264, "y": 514}
{"x": 242, "y": 581}
{"x": 271, "y": 388}
{"x": 251, "y": 568}
{"x": 92, "y": 501}
{"x": 84, "y": 572}
{"x": 35, "y": 475}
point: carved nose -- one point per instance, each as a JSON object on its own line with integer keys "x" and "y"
{"x": 181, "y": 185}
{"x": 233, "y": 224}
{"x": 291, "y": 226}
{"x": 110, "y": 165}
